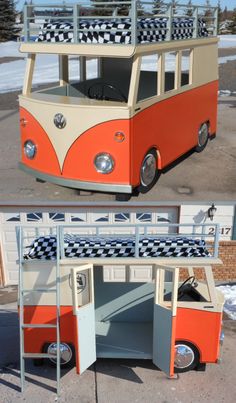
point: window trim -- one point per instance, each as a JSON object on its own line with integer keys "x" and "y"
{"x": 135, "y": 76}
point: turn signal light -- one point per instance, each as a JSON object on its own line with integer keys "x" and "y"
{"x": 119, "y": 137}
{"x": 23, "y": 122}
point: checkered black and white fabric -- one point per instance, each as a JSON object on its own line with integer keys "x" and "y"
{"x": 115, "y": 31}
{"x": 45, "y": 247}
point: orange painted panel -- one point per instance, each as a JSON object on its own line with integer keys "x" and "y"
{"x": 46, "y": 159}
{"x": 79, "y": 161}
{"x": 36, "y": 338}
{"x": 201, "y": 328}
{"x": 171, "y": 126}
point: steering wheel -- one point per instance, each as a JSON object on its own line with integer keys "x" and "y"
{"x": 100, "y": 93}
{"x": 189, "y": 280}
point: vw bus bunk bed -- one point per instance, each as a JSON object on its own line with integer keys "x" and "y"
{"x": 75, "y": 270}
{"x": 69, "y": 118}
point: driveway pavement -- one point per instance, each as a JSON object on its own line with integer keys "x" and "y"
{"x": 209, "y": 175}
{"x": 113, "y": 381}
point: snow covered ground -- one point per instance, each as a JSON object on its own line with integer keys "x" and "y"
{"x": 229, "y": 292}
{"x": 12, "y": 73}
{"x": 227, "y": 41}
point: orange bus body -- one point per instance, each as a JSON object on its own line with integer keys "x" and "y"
{"x": 170, "y": 126}
{"x": 201, "y": 328}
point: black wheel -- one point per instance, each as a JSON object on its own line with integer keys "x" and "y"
{"x": 186, "y": 357}
{"x": 40, "y": 180}
{"x": 149, "y": 173}
{"x": 203, "y": 137}
{"x": 123, "y": 197}
{"x": 67, "y": 354}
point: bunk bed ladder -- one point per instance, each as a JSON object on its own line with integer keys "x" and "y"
{"x": 23, "y": 325}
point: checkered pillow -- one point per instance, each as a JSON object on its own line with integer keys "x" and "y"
{"x": 45, "y": 247}
{"x": 115, "y": 31}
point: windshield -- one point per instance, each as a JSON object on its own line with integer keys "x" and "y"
{"x": 102, "y": 79}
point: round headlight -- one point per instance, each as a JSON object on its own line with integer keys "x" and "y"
{"x": 104, "y": 163}
{"x": 30, "y": 149}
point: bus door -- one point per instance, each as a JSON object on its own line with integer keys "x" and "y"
{"x": 83, "y": 308}
{"x": 164, "y": 320}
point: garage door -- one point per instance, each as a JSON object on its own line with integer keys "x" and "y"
{"x": 10, "y": 218}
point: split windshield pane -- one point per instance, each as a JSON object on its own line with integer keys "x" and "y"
{"x": 96, "y": 78}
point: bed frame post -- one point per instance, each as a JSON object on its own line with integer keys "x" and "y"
{"x": 133, "y": 91}
{"x": 26, "y": 24}
{"x": 134, "y": 16}
{"x": 137, "y": 234}
{"x": 215, "y": 31}
{"x": 169, "y": 23}
{"x": 217, "y": 238}
{"x": 195, "y": 22}
{"x": 75, "y": 22}
{"x": 63, "y": 70}
{"x": 210, "y": 283}
{"x": 29, "y": 74}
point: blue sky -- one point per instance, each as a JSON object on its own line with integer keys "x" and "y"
{"x": 229, "y": 3}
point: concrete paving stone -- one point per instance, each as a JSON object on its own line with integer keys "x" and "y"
{"x": 40, "y": 386}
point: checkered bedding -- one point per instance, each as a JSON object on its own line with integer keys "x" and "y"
{"x": 152, "y": 30}
{"x": 75, "y": 246}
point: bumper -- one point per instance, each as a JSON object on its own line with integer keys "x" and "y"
{"x": 71, "y": 183}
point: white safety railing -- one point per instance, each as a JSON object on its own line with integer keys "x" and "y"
{"x": 26, "y": 234}
{"x": 35, "y": 15}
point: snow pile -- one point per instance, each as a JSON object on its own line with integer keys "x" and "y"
{"x": 225, "y": 59}
{"x": 10, "y": 49}
{"x": 227, "y": 41}
{"x": 226, "y": 93}
{"x": 229, "y": 292}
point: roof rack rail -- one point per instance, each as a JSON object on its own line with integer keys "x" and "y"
{"x": 106, "y": 18}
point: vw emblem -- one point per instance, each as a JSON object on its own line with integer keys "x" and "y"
{"x": 59, "y": 121}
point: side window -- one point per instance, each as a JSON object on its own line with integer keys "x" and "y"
{"x": 170, "y": 70}
{"x": 185, "y": 67}
{"x": 92, "y": 68}
{"x": 148, "y": 81}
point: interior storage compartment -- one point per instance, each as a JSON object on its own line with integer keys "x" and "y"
{"x": 124, "y": 318}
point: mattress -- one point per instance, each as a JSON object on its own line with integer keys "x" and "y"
{"x": 116, "y": 31}
{"x": 45, "y": 247}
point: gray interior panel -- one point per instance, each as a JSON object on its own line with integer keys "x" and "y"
{"x": 122, "y": 302}
{"x": 162, "y": 337}
{"x": 124, "y": 340}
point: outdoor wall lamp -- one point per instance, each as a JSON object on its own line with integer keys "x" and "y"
{"x": 211, "y": 212}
